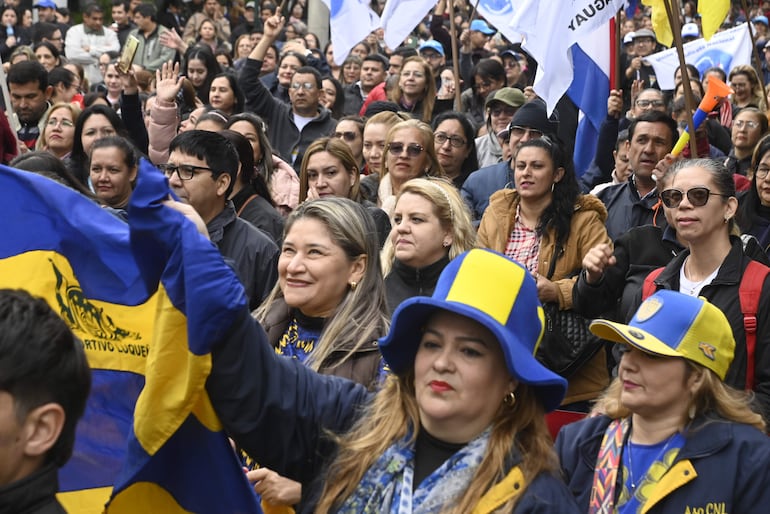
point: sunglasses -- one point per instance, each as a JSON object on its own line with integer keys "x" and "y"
{"x": 412, "y": 149}
{"x": 697, "y": 196}
{"x": 519, "y": 132}
{"x": 348, "y": 136}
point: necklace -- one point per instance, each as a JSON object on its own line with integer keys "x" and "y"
{"x": 635, "y": 483}
{"x": 692, "y": 287}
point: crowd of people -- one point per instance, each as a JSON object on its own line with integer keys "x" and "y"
{"x": 403, "y": 255}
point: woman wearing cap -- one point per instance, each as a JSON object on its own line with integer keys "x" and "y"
{"x": 457, "y": 427}
{"x": 500, "y": 107}
{"x": 700, "y": 195}
{"x": 549, "y": 227}
{"x": 670, "y": 436}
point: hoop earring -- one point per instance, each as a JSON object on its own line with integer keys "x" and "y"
{"x": 509, "y": 399}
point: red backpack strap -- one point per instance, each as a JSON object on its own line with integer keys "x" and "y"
{"x": 750, "y": 292}
{"x": 649, "y": 287}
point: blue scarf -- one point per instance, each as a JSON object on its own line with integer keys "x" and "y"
{"x": 386, "y": 487}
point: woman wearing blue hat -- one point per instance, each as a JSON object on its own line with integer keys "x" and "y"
{"x": 458, "y": 426}
{"x": 670, "y": 435}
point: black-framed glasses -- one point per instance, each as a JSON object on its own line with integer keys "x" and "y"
{"x": 412, "y": 149}
{"x": 455, "y": 141}
{"x": 347, "y": 135}
{"x": 307, "y": 86}
{"x": 183, "y": 171}
{"x": 655, "y": 104}
{"x": 761, "y": 172}
{"x": 697, "y": 196}
{"x": 520, "y": 132}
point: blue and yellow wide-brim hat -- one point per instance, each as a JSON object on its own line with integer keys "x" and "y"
{"x": 672, "y": 324}
{"x": 494, "y": 291}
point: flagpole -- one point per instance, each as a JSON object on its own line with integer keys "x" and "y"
{"x": 754, "y": 51}
{"x": 455, "y": 60}
{"x": 473, "y": 11}
{"x": 676, "y": 30}
{"x": 618, "y": 49}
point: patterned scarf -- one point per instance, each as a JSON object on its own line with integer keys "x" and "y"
{"x": 386, "y": 487}
{"x": 607, "y": 464}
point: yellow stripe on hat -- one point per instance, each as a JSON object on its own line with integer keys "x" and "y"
{"x": 478, "y": 284}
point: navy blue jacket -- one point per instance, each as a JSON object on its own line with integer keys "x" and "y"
{"x": 722, "y": 468}
{"x": 279, "y": 411}
{"x": 625, "y": 210}
{"x": 481, "y": 184}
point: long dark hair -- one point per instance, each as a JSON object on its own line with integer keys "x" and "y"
{"x": 471, "y": 163}
{"x": 78, "y": 157}
{"x": 750, "y": 203}
{"x": 558, "y": 215}
{"x": 240, "y": 100}
{"x": 206, "y": 56}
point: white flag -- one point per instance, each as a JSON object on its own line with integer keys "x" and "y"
{"x": 350, "y": 21}
{"x": 725, "y": 50}
{"x": 550, "y": 28}
{"x": 400, "y": 17}
{"x": 498, "y": 14}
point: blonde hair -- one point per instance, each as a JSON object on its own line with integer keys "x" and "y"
{"x": 426, "y": 135}
{"x": 394, "y": 412}
{"x": 429, "y": 94}
{"x": 711, "y": 396}
{"x": 42, "y": 141}
{"x": 337, "y": 149}
{"x": 448, "y": 207}
{"x": 360, "y": 317}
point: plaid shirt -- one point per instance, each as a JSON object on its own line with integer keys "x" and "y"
{"x": 523, "y": 244}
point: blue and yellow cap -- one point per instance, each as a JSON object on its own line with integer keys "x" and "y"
{"x": 492, "y": 290}
{"x": 673, "y": 324}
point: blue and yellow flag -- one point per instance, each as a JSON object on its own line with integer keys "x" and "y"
{"x": 149, "y": 439}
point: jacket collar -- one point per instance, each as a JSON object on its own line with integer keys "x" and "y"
{"x": 730, "y": 271}
{"x": 30, "y": 492}
{"x": 418, "y": 276}
{"x": 217, "y": 226}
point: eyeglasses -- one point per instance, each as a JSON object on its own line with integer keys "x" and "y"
{"x": 751, "y": 124}
{"x": 455, "y": 141}
{"x": 53, "y": 122}
{"x": 499, "y": 111}
{"x": 412, "y": 149}
{"x": 307, "y": 86}
{"x": 761, "y": 172}
{"x": 645, "y": 104}
{"x": 348, "y": 136}
{"x": 183, "y": 171}
{"x": 697, "y": 196}
{"x": 520, "y": 132}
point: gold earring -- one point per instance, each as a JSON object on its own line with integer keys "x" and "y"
{"x": 509, "y": 399}
{"x": 353, "y": 285}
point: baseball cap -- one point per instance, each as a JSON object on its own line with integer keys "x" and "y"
{"x": 250, "y": 5}
{"x": 46, "y": 4}
{"x": 673, "y": 324}
{"x": 644, "y": 33}
{"x": 483, "y": 27}
{"x": 434, "y": 45}
{"x": 760, "y": 19}
{"x": 510, "y": 53}
{"x": 507, "y": 95}
{"x": 494, "y": 291}
{"x": 690, "y": 30}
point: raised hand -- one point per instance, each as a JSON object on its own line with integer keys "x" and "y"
{"x": 168, "y": 82}
{"x": 596, "y": 261}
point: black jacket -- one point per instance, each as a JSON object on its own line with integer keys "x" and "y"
{"x": 286, "y": 137}
{"x": 258, "y": 211}
{"x": 638, "y": 252}
{"x": 34, "y": 494}
{"x": 250, "y": 252}
{"x": 723, "y": 293}
{"x": 405, "y": 281}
